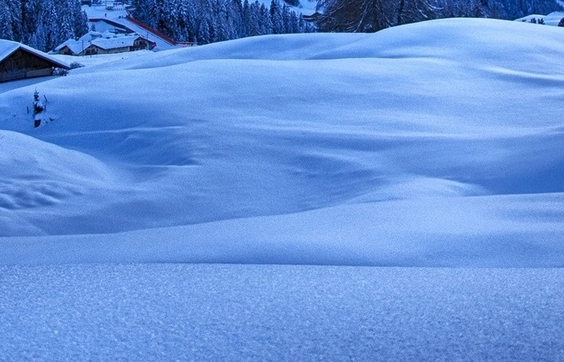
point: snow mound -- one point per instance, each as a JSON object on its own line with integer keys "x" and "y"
{"x": 425, "y": 119}
{"x": 38, "y": 176}
{"x": 37, "y": 173}
{"x": 482, "y": 40}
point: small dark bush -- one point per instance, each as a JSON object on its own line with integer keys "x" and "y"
{"x": 75, "y": 65}
{"x": 60, "y": 71}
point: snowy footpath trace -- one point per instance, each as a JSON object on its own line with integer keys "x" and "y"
{"x": 437, "y": 144}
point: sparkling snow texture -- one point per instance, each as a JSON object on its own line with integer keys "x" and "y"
{"x": 280, "y": 313}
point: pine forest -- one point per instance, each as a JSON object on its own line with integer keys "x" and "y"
{"x": 44, "y": 24}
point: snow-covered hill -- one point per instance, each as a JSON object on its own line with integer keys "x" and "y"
{"x": 432, "y": 144}
{"x": 438, "y": 143}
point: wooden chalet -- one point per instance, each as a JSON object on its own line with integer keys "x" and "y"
{"x": 19, "y": 61}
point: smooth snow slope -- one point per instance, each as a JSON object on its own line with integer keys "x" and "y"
{"x": 438, "y": 143}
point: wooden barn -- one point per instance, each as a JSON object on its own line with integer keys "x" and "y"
{"x": 19, "y": 61}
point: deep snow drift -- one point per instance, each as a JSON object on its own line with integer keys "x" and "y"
{"x": 438, "y": 143}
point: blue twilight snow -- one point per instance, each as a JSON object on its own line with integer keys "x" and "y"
{"x": 437, "y": 143}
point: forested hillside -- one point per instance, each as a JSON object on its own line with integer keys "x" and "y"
{"x": 42, "y": 24}
{"x": 373, "y": 15}
{"x": 208, "y": 21}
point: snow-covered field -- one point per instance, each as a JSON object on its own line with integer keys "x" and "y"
{"x": 436, "y": 144}
{"x": 184, "y": 312}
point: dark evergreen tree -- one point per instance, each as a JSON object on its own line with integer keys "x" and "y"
{"x": 409, "y": 11}
{"x": 355, "y": 15}
{"x": 204, "y": 32}
{"x": 208, "y": 21}
{"x": 265, "y": 20}
{"x": 276, "y": 17}
{"x": 373, "y": 15}
{"x": 6, "y": 29}
{"x": 42, "y": 24}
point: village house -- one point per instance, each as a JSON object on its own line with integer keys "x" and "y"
{"x": 19, "y": 61}
{"x": 114, "y": 32}
{"x": 95, "y": 43}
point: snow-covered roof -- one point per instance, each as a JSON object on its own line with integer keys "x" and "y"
{"x": 120, "y": 19}
{"x": 115, "y": 42}
{"x": 104, "y": 41}
{"x": 76, "y": 46}
{"x": 8, "y": 47}
{"x": 102, "y": 25}
{"x": 148, "y": 33}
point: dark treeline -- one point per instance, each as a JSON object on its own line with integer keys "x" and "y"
{"x": 208, "y": 21}
{"x": 373, "y": 15}
{"x": 42, "y": 24}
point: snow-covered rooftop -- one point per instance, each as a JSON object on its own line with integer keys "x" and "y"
{"x": 115, "y": 42}
{"x": 7, "y": 47}
{"x": 122, "y": 19}
{"x": 105, "y": 41}
{"x": 161, "y": 42}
